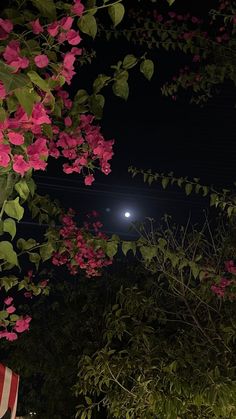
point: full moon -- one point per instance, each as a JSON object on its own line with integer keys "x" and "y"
{"x": 127, "y": 214}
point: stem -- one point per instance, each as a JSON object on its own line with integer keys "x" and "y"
{"x": 119, "y": 384}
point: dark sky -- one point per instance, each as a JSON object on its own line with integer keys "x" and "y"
{"x": 151, "y": 132}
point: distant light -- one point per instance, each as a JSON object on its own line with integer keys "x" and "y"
{"x": 127, "y": 214}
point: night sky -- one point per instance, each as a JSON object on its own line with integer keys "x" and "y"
{"x": 150, "y": 132}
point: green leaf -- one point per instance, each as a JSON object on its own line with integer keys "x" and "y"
{"x": 32, "y": 186}
{"x": 26, "y": 98}
{"x": 12, "y": 81}
{"x": 14, "y": 209}
{"x": 116, "y": 13}
{"x": 111, "y": 248}
{"x": 22, "y": 188}
{"x": 3, "y": 114}
{"x": 170, "y": 2}
{"x": 121, "y": 88}
{"x": 35, "y": 258}
{"x": 96, "y": 105}
{"x": 3, "y": 314}
{"x": 8, "y": 282}
{"x": 38, "y": 81}
{"x": 87, "y": 24}
{"x": 128, "y": 245}
{"x": 7, "y": 253}
{"x": 148, "y": 252}
{"x": 129, "y": 61}
{"x": 165, "y": 182}
{"x": 188, "y": 188}
{"x": 9, "y": 226}
{"x": 23, "y": 244}
{"x": 100, "y": 82}
{"x": 46, "y": 251}
{"x": 46, "y": 8}
{"x": 147, "y": 68}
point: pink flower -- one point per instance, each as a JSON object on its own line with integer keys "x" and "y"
{"x": 36, "y": 163}
{"x": 39, "y": 147}
{"x": 73, "y": 37}
{"x": 4, "y": 159}
{"x": 41, "y": 60}
{"x": 11, "y": 336}
{"x": 218, "y": 290}
{"x": 53, "y": 29}
{"x": 36, "y": 27}
{"x": 78, "y": 8}
{"x": 89, "y": 179}
{"x": 225, "y": 282}
{"x": 68, "y": 121}
{"x": 20, "y": 165}
{"x": 15, "y": 138}
{"x": 5, "y": 28}
{"x": 230, "y": 267}
{"x": 8, "y": 301}
{"x": 22, "y": 324}
{"x": 69, "y": 60}
{"x": 39, "y": 115}
{"x": 66, "y": 22}
{"x": 11, "y": 309}
{"x": 12, "y": 56}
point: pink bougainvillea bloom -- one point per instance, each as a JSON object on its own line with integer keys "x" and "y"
{"x": 11, "y": 309}
{"x": 11, "y": 336}
{"x": 73, "y": 37}
{"x": 218, "y": 290}
{"x": 6, "y": 27}
{"x": 41, "y": 60}
{"x": 76, "y": 51}
{"x": 68, "y": 61}
{"x": 39, "y": 115}
{"x": 77, "y": 8}
{"x": 230, "y": 267}
{"x": 66, "y": 22}
{"x": 36, "y": 163}
{"x": 22, "y": 324}
{"x": 16, "y": 138}
{"x": 39, "y": 147}
{"x": 53, "y": 28}
{"x": 20, "y": 165}
{"x": 89, "y": 179}
{"x": 68, "y": 121}
{"x": 4, "y": 159}
{"x": 8, "y": 301}
{"x": 2, "y": 91}
{"x": 36, "y": 27}
{"x": 12, "y": 56}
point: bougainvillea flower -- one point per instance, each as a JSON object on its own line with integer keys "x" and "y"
{"x": 89, "y": 179}
{"x": 6, "y": 27}
{"x": 8, "y": 301}
{"x": 15, "y": 138}
{"x": 77, "y": 8}
{"x": 41, "y": 60}
{"x": 36, "y": 27}
{"x": 22, "y": 324}
{"x": 20, "y": 165}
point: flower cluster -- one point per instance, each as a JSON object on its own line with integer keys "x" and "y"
{"x": 81, "y": 249}
{"x": 31, "y": 132}
{"x": 224, "y": 287}
{"x": 12, "y": 323}
{"x": 82, "y": 146}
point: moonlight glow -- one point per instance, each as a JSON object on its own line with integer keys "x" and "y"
{"x": 127, "y": 214}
